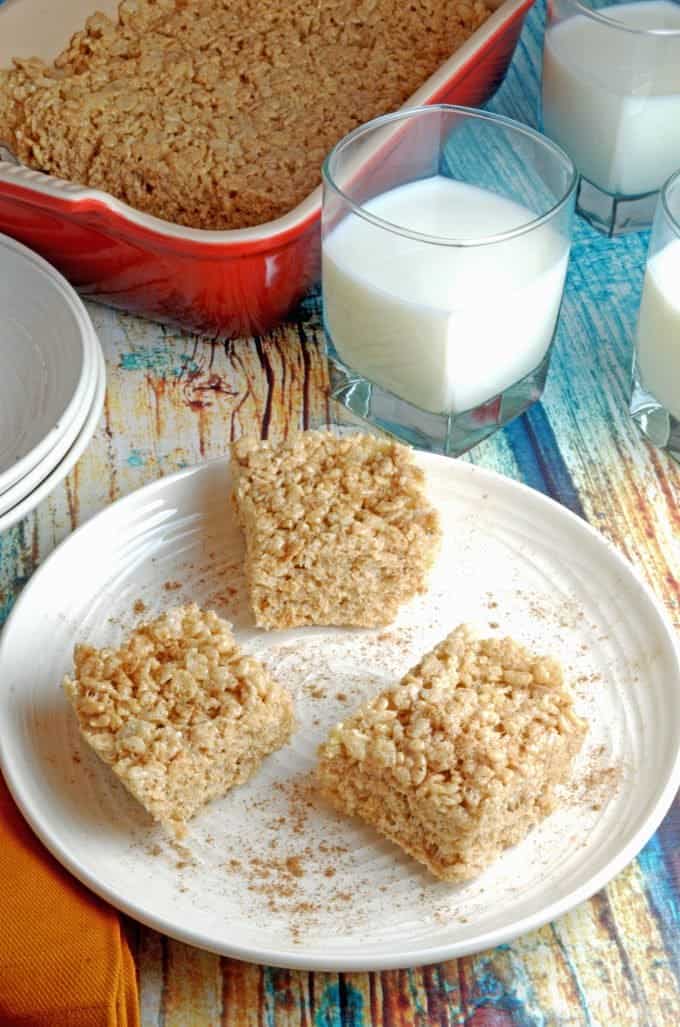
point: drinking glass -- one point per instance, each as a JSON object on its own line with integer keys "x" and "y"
{"x": 611, "y": 99}
{"x": 445, "y": 241}
{"x": 655, "y": 399}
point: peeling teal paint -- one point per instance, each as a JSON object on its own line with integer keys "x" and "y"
{"x": 660, "y": 865}
{"x": 450, "y": 987}
{"x": 328, "y": 1012}
{"x": 501, "y": 988}
{"x": 354, "y": 1007}
{"x": 281, "y": 997}
{"x": 416, "y": 1002}
{"x": 269, "y": 983}
{"x": 576, "y": 979}
{"x": 16, "y": 567}
{"x": 340, "y": 1006}
{"x": 135, "y": 458}
{"x": 7, "y": 600}
{"x": 490, "y": 988}
{"x": 161, "y": 361}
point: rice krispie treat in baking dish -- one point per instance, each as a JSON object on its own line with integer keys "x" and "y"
{"x": 218, "y": 114}
{"x": 461, "y": 758}
{"x": 178, "y": 712}
{"x": 338, "y": 531}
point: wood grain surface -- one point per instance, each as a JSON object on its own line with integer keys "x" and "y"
{"x": 173, "y": 400}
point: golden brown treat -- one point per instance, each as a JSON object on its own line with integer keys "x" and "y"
{"x": 178, "y": 712}
{"x": 219, "y": 114}
{"x": 338, "y": 531}
{"x": 461, "y": 758}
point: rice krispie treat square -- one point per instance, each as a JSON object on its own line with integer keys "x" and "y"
{"x": 178, "y": 712}
{"x": 338, "y": 531}
{"x": 461, "y": 758}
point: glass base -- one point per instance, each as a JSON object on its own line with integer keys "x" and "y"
{"x": 450, "y": 434}
{"x": 657, "y": 424}
{"x": 614, "y": 215}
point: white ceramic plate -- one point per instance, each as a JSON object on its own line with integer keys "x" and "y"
{"x": 47, "y": 359}
{"x": 27, "y": 484}
{"x": 42, "y": 486}
{"x": 268, "y": 873}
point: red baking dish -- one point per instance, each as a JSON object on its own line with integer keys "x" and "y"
{"x": 224, "y": 283}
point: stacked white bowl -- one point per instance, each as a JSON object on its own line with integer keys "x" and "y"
{"x": 52, "y": 380}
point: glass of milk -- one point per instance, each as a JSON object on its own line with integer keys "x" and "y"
{"x": 655, "y": 400}
{"x": 445, "y": 242}
{"x": 611, "y": 99}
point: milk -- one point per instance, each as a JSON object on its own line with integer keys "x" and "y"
{"x": 658, "y": 334}
{"x": 444, "y": 327}
{"x": 611, "y": 98}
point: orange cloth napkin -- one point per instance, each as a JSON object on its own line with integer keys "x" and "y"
{"x": 64, "y": 960}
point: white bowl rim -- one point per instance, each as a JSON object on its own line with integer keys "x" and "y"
{"x": 88, "y": 343}
{"x": 16, "y": 513}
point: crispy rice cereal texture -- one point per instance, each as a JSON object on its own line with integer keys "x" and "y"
{"x": 338, "y": 531}
{"x": 461, "y": 758}
{"x": 218, "y": 113}
{"x": 178, "y": 712}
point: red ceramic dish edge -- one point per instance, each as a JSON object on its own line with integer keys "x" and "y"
{"x": 223, "y": 283}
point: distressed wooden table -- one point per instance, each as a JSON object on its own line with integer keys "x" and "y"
{"x": 173, "y": 400}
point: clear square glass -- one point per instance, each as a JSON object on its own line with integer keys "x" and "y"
{"x": 655, "y": 398}
{"x": 445, "y": 241}
{"x": 611, "y": 99}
